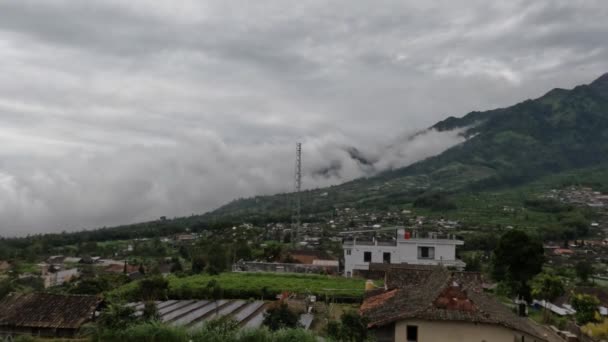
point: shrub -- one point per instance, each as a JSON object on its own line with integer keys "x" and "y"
{"x": 586, "y": 308}
{"x": 146, "y": 332}
{"x": 117, "y": 316}
{"x": 352, "y": 327}
{"x": 150, "y": 312}
{"x": 279, "y": 316}
{"x": 220, "y": 330}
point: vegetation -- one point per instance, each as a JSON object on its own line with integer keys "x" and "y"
{"x": 251, "y": 285}
{"x": 586, "y": 308}
{"x": 117, "y": 316}
{"x": 547, "y": 287}
{"x": 584, "y": 269}
{"x": 280, "y": 316}
{"x": 220, "y": 330}
{"x": 351, "y": 328}
{"x": 596, "y": 330}
{"x": 517, "y": 259}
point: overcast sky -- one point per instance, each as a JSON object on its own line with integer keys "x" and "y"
{"x": 118, "y": 111}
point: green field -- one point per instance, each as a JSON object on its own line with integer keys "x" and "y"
{"x": 256, "y": 285}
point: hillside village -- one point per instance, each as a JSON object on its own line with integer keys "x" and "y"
{"x": 351, "y": 262}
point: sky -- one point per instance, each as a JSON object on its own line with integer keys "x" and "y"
{"x": 114, "y": 112}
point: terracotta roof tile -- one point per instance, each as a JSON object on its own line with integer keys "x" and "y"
{"x": 439, "y": 294}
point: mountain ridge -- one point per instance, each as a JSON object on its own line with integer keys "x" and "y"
{"x": 559, "y": 131}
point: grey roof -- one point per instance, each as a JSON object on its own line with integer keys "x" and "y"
{"x": 193, "y": 313}
{"x": 46, "y": 310}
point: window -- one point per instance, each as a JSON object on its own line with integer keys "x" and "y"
{"x": 386, "y": 258}
{"x": 412, "y": 333}
{"x": 348, "y": 252}
{"x": 367, "y": 256}
{"x": 426, "y": 252}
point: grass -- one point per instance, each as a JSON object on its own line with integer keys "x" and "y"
{"x": 254, "y": 285}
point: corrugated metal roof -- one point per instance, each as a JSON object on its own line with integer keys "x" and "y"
{"x": 193, "y": 313}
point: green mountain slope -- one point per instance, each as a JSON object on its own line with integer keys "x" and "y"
{"x": 561, "y": 131}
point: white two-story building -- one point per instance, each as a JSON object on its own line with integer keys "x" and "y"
{"x": 407, "y": 248}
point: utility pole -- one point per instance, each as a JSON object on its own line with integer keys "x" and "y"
{"x": 296, "y": 219}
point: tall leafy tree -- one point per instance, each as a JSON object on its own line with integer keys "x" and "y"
{"x": 217, "y": 261}
{"x": 584, "y": 270}
{"x": 517, "y": 259}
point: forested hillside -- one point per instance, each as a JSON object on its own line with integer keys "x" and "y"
{"x": 564, "y": 130}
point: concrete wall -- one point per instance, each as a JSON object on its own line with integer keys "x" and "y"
{"x": 459, "y": 332}
{"x": 406, "y": 251}
{"x": 355, "y": 259}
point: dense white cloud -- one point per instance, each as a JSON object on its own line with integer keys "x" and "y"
{"x": 118, "y": 111}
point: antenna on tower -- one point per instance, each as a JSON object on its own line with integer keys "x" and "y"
{"x": 297, "y": 192}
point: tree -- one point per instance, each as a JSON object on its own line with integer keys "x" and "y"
{"x": 584, "y": 270}
{"x": 279, "y": 316}
{"x": 117, "y": 316}
{"x": 153, "y": 288}
{"x": 273, "y": 251}
{"x": 216, "y": 258}
{"x": 242, "y": 251}
{"x": 150, "y": 312}
{"x": 547, "y": 287}
{"x": 586, "y": 308}
{"x": 576, "y": 221}
{"x": 176, "y": 266}
{"x": 215, "y": 292}
{"x": 473, "y": 261}
{"x": 222, "y": 329}
{"x": 198, "y": 264}
{"x": 184, "y": 253}
{"x": 352, "y": 327}
{"x": 6, "y": 287}
{"x": 517, "y": 259}
{"x": 90, "y": 286}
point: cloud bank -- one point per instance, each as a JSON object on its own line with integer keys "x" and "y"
{"x": 113, "y": 112}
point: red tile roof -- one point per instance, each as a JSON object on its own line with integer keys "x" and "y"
{"x": 440, "y": 295}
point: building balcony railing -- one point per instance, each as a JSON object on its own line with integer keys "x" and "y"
{"x": 422, "y": 240}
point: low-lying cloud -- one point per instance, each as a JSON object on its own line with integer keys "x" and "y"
{"x": 82, "y": 190}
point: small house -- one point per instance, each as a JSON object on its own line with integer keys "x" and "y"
{"x": 46, "y": 314}
{"x": 434, "y": 304}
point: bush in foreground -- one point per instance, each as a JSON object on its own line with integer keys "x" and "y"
{"x": 214, "y": 331}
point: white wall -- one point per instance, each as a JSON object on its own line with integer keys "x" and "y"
{"x": 406, "y": 251}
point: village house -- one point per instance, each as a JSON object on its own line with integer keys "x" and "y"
{"x": 185, "y": 238}
{"x": 303, "y": 256}
{"x": 407, "y": 248}
{"x": 434, "y": 304}
{"x": 45, "y": 314}
{"x": 4, "y": 266}
{"x": 54, "y": 275}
